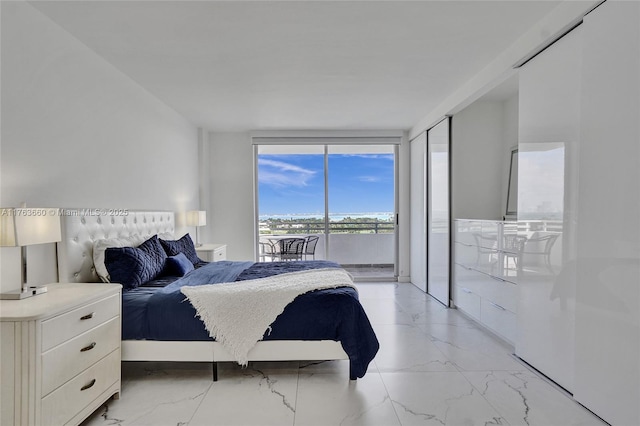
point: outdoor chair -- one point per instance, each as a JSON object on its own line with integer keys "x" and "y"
{"x": 513, "y": 246}
{"x": 290, "y": 249}
{"x": 486, "y": 252}
{"x": 310, "y": 247}
{"x": 267, "y": 250}
{"x": 541, "y": 246}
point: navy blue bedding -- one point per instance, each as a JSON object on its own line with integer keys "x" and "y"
{"x": 159, "y": 311}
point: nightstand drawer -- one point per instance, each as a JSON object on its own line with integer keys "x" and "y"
{"x": 220, "y": 254}
{"x": 212, "y": 252}
{"x": 65, "y": 361}
{"x": 63, "y": 327}
{"x": 65, "y": 402}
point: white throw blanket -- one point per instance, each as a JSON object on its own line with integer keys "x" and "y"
{"x": 237, "y": 314}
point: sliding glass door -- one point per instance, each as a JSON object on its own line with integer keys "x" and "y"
{"x": 345, "y": 194}
{"x": 361, "y": 206}
{"x": 430, "y": 211}
{"x": 291, "y": 193}
{"x": 438, "y": 211}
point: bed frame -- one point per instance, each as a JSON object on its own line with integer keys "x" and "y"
{"x": 81, "y": 227}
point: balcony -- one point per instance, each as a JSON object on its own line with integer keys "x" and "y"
{"x": 365, "y": 249}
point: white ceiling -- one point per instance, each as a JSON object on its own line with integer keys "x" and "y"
{"x": 240, "y": 65}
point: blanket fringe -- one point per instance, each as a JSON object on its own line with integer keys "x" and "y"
{"x": 238, "y": 314}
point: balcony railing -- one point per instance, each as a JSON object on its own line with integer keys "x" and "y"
{"x": 342, "y": 227}
{"x": 351, "y": 242}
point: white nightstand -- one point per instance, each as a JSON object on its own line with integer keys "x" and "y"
{"x": 212, "y": 252}
{"x": 60, "y": 354}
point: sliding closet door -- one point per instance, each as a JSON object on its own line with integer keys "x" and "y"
{"x": 607, "y": 361}
{"x": 548, "y": 152}
{"x": 438, "y": 211}
{"x": 418, "y": 212}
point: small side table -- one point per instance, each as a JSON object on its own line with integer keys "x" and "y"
{"x": 212, "y": 252}
{"x": 60, "y": 354}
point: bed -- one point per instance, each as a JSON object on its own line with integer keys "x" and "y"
{"x": 158, "y": 325}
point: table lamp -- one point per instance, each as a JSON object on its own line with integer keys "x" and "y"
{"x": 197, "y": 218}
{"x": 22, "y": 227}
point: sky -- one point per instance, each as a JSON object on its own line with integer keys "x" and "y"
{"x": 294, "y": 184}
{"x": 542, "y": 175}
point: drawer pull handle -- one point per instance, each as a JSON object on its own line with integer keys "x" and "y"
{"x": 86, "y": 317}
{"x": 497, "y": 306}
{"x": 88, "y": 348}
{"x": 89, "y": 385}
{"x": 496, "y": 278}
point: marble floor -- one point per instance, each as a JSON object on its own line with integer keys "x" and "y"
{"x": 364, "y": 273}
{"x": 434, "y": 367}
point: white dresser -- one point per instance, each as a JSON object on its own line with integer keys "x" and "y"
{"x": 485, "y": 266}
{"x": 60, "y": 354}
{"x": 212, "y": 252}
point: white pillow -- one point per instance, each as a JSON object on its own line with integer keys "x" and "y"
{"x": 100, "y": 246}
{"x": 166, "y": 236}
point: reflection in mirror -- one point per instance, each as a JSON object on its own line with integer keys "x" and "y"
{"x": 438, "y": 211}
{"x": 512, "y": 190}
{"x": 541, "y": 186}
{"x": 541, "y": 206}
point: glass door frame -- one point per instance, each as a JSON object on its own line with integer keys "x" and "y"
{"x": 327, "y": 232}
{"x": 440, "y": 291}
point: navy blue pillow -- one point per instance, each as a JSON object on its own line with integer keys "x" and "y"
{"x": 154, "y": 249}
{"x": 183, "y": 245}
{"x": 133, "y": 266}
{"x": 178, "y": 265}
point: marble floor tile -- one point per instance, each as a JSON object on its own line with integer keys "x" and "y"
{"x": 525, "y": 399}
{"x": 332, "y": 399}
{"x": 430, "y": 311}
{"x": 376, "y": 290}
{"x": 381, "y": 311}
{"x": 256, "y": 395}
{"x": 435, "y": 366}
{"x": 471, "y": 348}
{"x": 442, "y": 398}
{"x": 368, "y": 272}
{"x": 408, "y": 348}
{"x": 279, "y": 367}
{"x": 156, "y": 394}
{"x": 408, "y": 291}
{"x": 331, "y": 367}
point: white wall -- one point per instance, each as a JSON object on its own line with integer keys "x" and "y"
{"x": 404, "y": 212}
{"x": 418, "y": 212}
{"x": 362, "y": 249}
{"x": 78, "y": 133}
{"x": 478, "y": 157}
{"x": 565, "y": 16}
{"x": 231, "y": 212}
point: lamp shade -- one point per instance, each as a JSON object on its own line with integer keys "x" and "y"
{"x": 28, "y": 226}
{"x": 196, "y": 218}
{"x": 7, "y": 229}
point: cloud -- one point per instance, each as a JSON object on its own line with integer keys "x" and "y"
{"x": 371, "y": 156}
{"x": 281, "y": 174}
{"x": 369, "y": 179}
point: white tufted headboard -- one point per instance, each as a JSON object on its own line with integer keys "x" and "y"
{"x": 81, "y": 227}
